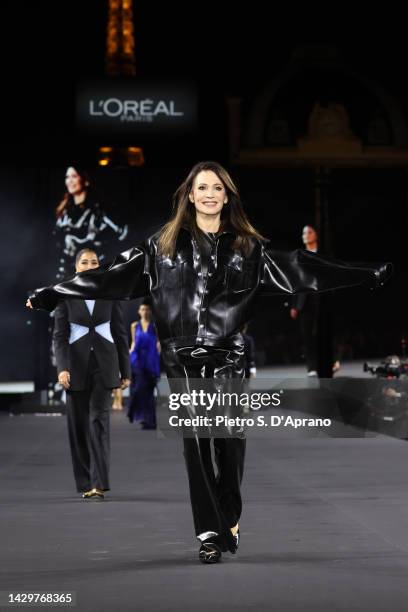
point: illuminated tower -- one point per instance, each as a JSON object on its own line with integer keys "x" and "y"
{"x": 120, "y": 39}
{"x": 120, "y": 61}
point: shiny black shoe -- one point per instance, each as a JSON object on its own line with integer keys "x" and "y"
{"x": 210, "y": 550}
{"x": 237, "y": 538}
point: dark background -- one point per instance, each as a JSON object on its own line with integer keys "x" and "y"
{"x": 226, "y": 51}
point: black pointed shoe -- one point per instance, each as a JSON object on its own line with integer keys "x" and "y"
{"x": 210, "y": 550}
{"x": 237, "y": 538}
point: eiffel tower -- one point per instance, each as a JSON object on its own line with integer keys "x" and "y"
{"x": 120, "y": 39}
{"x": 120, "y": 62}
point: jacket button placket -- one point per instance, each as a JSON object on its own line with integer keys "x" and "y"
{"x": 203, "y": 308}
{"x": 206, "y": 290}
{"x": 198, "y": 269}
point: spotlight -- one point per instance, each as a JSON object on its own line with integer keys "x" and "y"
{"x": 121, "y": 156}
{"x": 105, "y": 156}
{"x": 135, "y": 156}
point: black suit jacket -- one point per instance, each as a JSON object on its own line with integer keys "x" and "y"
{"x": 307, "y": 303}
{"x": 112, "y": 357}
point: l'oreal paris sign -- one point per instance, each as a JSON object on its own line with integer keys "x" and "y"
{"x": 133, "y": 110}
{"x": 127, "y": 106}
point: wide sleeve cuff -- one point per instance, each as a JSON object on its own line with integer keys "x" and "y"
{"x": 126, "y": 277}
{"x": 302, "y": 271}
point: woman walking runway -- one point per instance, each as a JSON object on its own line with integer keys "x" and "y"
{"x": 203, "y": 271}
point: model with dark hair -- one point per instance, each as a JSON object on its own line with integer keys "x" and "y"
{"x": 80, "y": 220}
{"x": 145, "y": 365}
{"x": 203, "y": 270}
{"x": 314, "y": 318}
{"x": 91, "y": 349}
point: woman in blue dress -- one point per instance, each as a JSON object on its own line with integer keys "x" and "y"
{"x": 145, "y": 364}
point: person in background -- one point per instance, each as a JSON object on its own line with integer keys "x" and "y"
{"x": 92, "y": 354}
{"x": 306, "y": 308}
{"x": 145, "y": 365}
{"x": 81, "y": 222}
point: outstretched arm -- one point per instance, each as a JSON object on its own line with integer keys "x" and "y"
{"x": 60, "y": 337}
{"x": 123, "y": 279}
{"x": 302, "y": 271}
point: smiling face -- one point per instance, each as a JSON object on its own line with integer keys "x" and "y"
{"x": 74, "y": 182}
{"x": 87, "y": 261}
{"x": 208, "y": 193}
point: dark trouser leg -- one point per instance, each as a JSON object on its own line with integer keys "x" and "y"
{"x": 99, "y": 417}
{"x": 325, "y": 337}
{"x": 210, "y": 496}
{"x": 225, "y": 487}
{"x": 210, "y": 501}
{"x": 78, "y": 431}
{"x": 308, "y": 326}
{"x": 202, "y": 484}
{"x": 230, "y": 452}
{"x": 229, "y": 457}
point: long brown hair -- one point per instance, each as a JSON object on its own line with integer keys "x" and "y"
{"x": 67, "y": 198}
{"x": 184, "y": 215}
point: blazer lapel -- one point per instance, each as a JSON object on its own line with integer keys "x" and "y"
{"x": 85, "y": 310}
{"x": 101, "y": 310}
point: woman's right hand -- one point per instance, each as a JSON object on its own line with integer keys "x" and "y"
{"x": 63, "y": 378}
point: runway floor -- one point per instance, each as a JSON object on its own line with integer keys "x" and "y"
{"x": 324, "y": 525}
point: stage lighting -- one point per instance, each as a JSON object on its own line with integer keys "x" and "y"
{"x": 135, "y": 156}
{"x": 105, "y": 156}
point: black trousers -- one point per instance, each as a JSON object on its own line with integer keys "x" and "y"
{"x": 308, "y": 324}
{"x": 88, "y": 413}
{"x": 317, "y": 332}
{"x": 215, "y": 497}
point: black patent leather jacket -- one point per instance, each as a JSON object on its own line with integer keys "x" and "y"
{"x": 192, "y": 307}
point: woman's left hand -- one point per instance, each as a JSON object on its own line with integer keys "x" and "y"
{"x": 125, "y": 382}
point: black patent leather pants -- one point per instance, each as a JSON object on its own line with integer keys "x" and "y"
{"x": 215, "y": 496}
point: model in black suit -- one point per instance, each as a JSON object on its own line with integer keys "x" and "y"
{"x": 313, "y": 311}
{"x": 92, "y": 354}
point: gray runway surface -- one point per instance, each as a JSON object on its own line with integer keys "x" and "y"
{"x": 324, "y": 526}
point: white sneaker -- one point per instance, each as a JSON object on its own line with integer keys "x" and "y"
{"x": 312, "y": 373}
